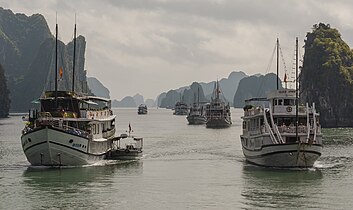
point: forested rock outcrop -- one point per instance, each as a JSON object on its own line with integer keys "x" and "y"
{"x": 327, "y": 76}
{"x": 4, "y": 95}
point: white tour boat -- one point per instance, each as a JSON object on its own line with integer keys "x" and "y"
{"x": 285, "y": 134}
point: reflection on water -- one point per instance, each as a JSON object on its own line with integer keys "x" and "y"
{"x": 49, "y": 177}
{"x": 74, "y": 187}
{"x": 276, "y": 188}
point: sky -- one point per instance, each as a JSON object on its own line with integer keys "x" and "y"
{"x": 152, "y": 46}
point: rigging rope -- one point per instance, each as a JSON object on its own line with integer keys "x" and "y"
{"x": 267, "y": 70}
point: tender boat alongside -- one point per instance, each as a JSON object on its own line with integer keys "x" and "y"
{"x": 130, "y": 150}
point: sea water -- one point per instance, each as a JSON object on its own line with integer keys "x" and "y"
{"x": 183, "y": 167}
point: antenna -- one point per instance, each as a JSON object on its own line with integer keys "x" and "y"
{"x": 74, "y": 59}
{"x": 277, "y": 60}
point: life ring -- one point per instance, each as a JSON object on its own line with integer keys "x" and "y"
{"x": 289, "y": 109}
{"x": 127, "y": 150}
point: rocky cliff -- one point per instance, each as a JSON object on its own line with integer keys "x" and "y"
{"x": 127, "y": 101}
{"x": 170, "y": 99}
{"x": 228, "y": 86}
{"x": 27, "y": 51}
{"x": 97, "y": 88}
{"x": 4, "y": 95}
{"x": 327, "y": 76}
{"x": 254, "y": 86}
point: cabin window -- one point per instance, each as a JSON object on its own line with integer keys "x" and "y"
{"x": 275, "y": 102}
{"x": 280, "y": 102}
{"x": 97, "y": 128}
{"x": 288, "y": 102}
{"x": 244, "y": 125}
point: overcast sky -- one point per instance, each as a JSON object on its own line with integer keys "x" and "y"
{"x": 150, "y": 46}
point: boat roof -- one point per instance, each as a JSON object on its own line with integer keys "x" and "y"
{"x": 94, "y": 98}
{"x": 282, "y": 93}
{"x": 59, "y": 94}
{"x": 256, "y": 99}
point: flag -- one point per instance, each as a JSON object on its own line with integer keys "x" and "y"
{"x": 285, "y": 77}
{"x": 61, "y": 72}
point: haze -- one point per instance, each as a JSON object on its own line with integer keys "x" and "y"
{"x": 152, "y": 46}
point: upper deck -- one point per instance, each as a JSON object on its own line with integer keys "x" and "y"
{"x": 281, "y": 102}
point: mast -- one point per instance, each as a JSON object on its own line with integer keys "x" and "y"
{"x": 56, "y": 65}
{"x": 217, "y": 90}
{"x": 296, "y": 89}
{"x": 74, "y": 61}
{"x": 198, "y": 96}
{"x": 277, "y": 60}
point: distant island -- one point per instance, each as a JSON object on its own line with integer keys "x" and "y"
{"x": 235, "y": 89}
{"x": 97, "y": 88}
{"x": 255, "y": 86}
{"x": 133, "y": 101}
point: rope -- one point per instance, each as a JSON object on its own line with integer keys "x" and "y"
{"x": 267, "y": 70}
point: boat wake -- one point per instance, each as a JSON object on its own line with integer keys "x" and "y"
{"x": 332, "y": 162}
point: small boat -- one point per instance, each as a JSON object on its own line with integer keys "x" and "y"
{"x": 218, "y": 112}
{"x": 142, "y": 109}
{"x": 196, "y": 114}
{"x": 180, "y": 108}
{"x": 131, "y": 150}
{"x": 284, "y": 135}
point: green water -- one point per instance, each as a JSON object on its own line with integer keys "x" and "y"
{"x": 184, "y": 167}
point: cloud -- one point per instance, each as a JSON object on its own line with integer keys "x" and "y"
{"x": 151, "y": 46}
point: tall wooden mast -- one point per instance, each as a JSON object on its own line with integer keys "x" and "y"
{"x": 74, "y": 61}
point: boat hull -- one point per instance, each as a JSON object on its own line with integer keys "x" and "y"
{"x": 284, "y": 155}
{"x": 218, "y": 123}
{"x": 121, "y": 154}
{"x": 47, "y": 146}
{"x": 196, "y": 120}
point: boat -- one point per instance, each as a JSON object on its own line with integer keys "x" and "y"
{"x": 69, "y": 129}
{"x": 281, "y": 134}
{"x": 142, "y": 109}
{"x": 196, "y": 114}
{"x": 131, "y": 150}
{"x": 180, "y": 108}
{"x": 217, "y": 111}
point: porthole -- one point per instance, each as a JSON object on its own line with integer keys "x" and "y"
{"x": 71, "y": 141}
{"x": 29, "y": 139}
